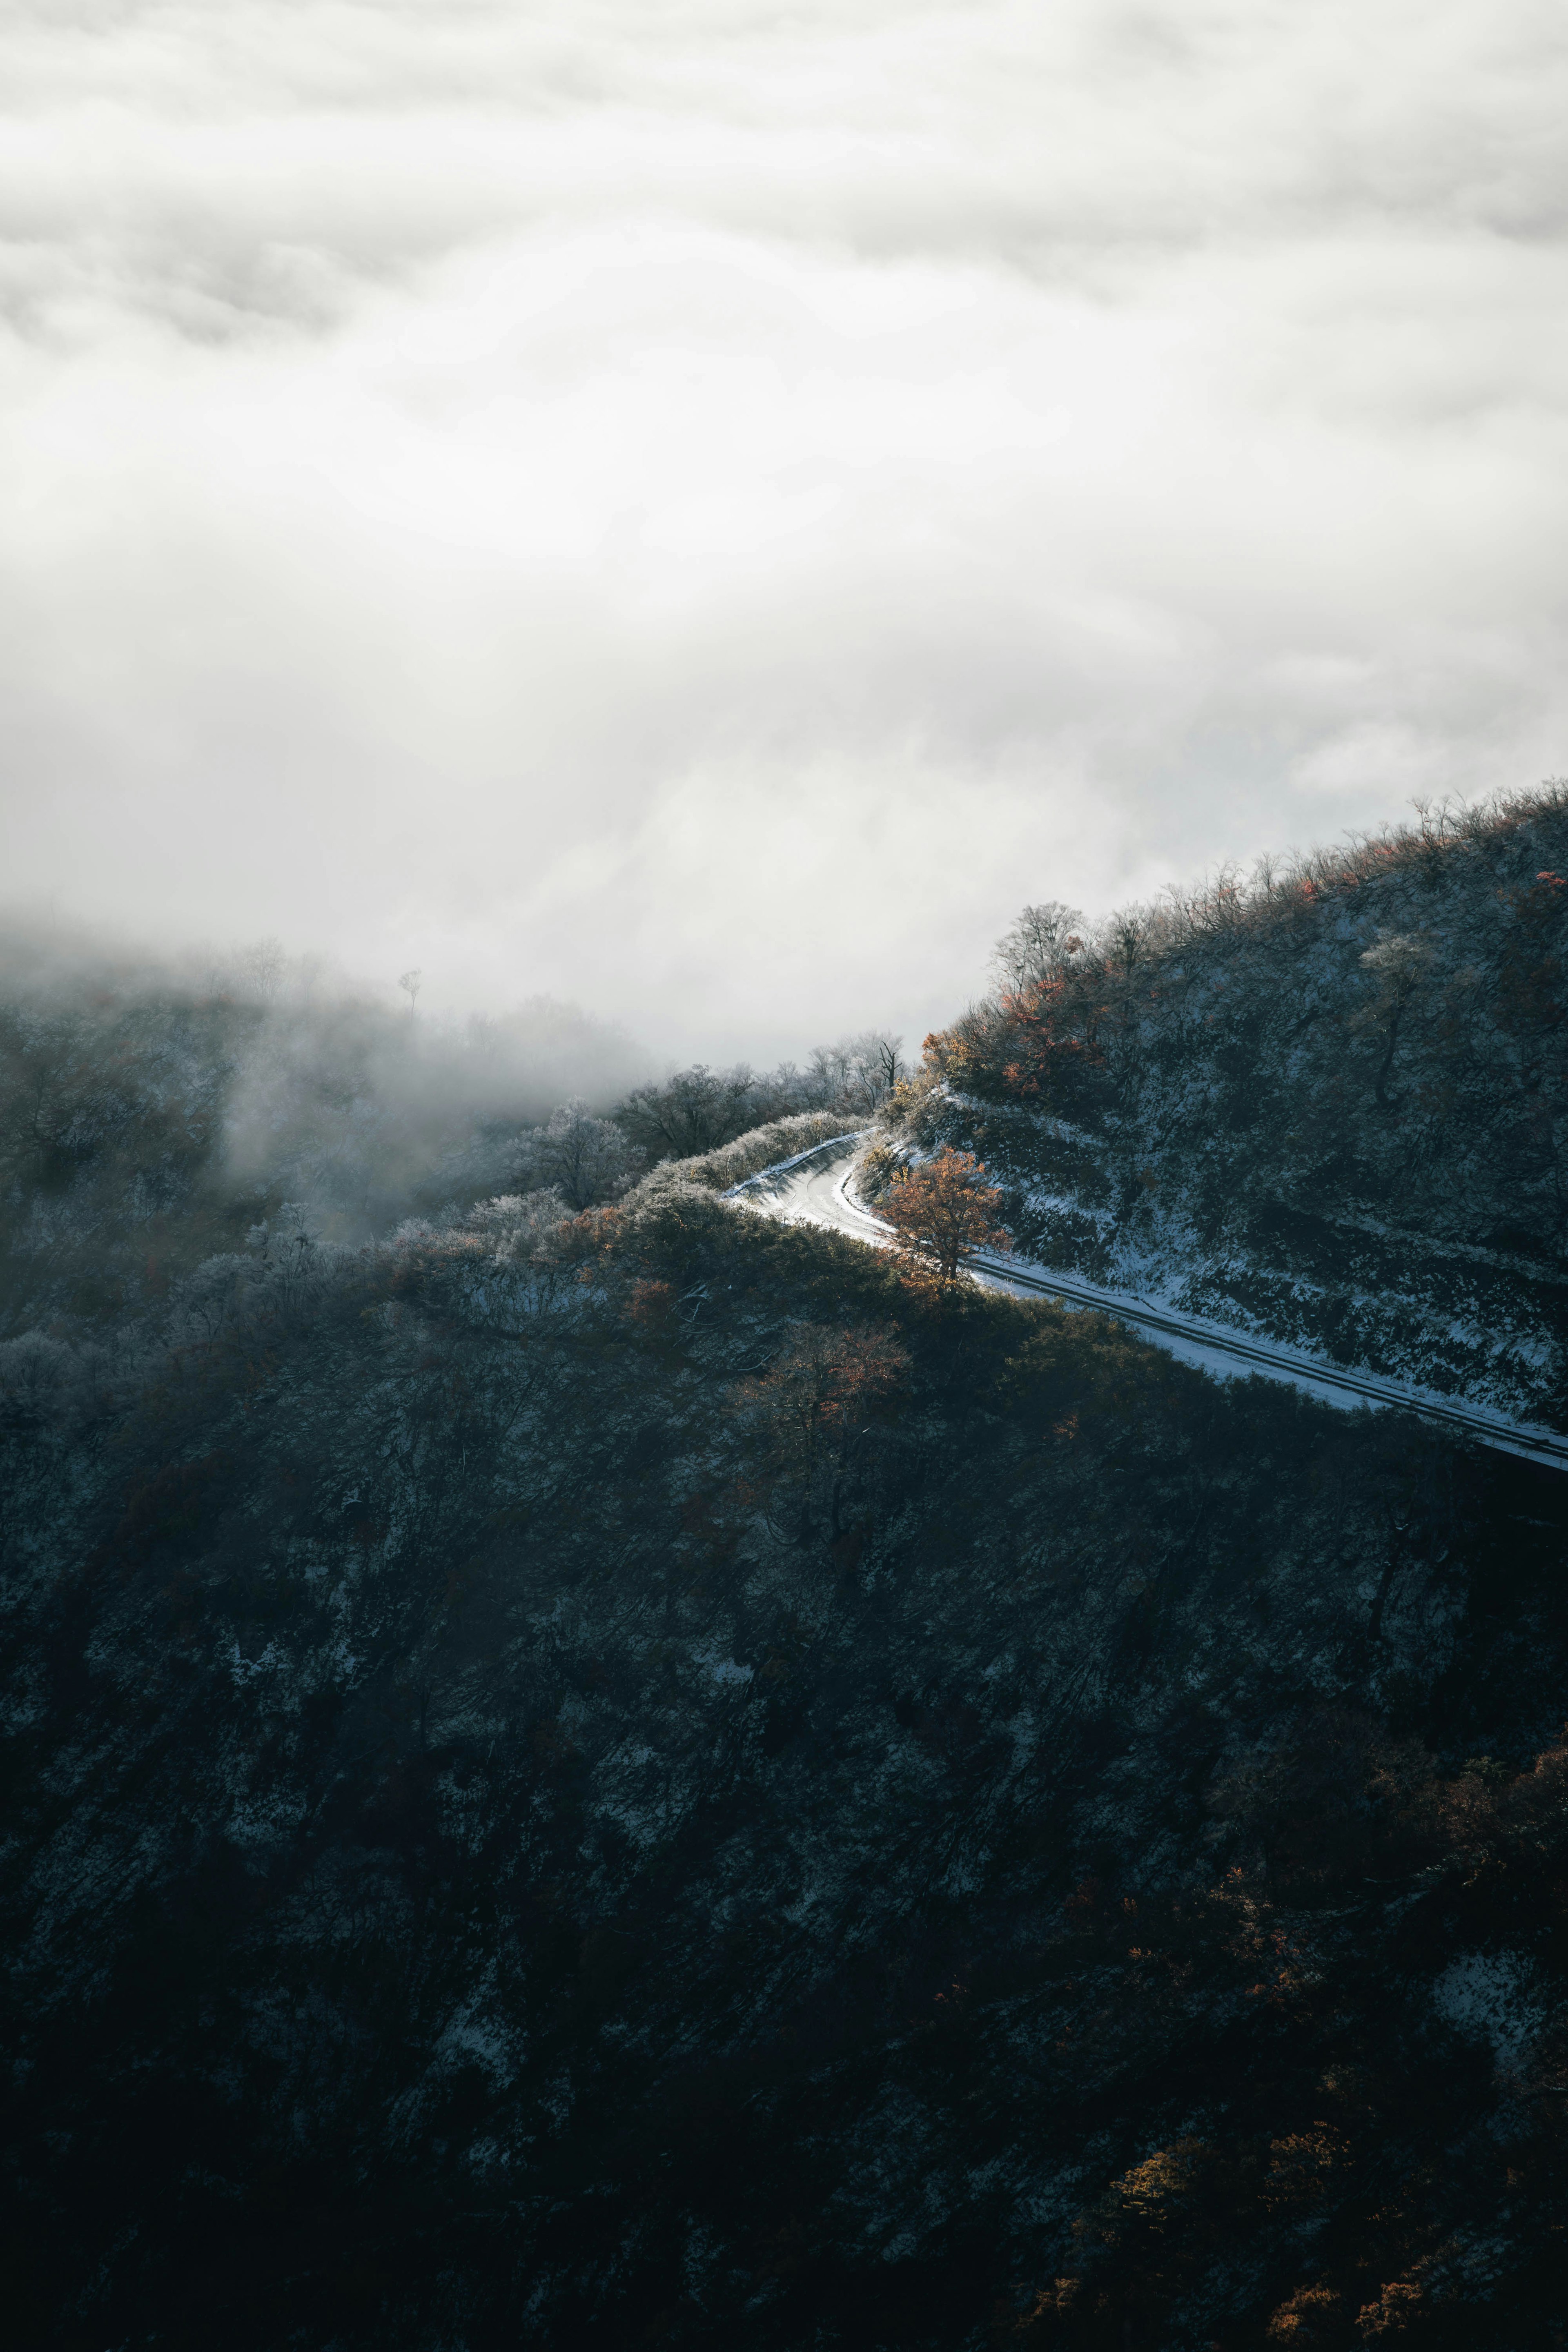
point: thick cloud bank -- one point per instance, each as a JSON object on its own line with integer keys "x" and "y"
{"x": 705, "y": 508}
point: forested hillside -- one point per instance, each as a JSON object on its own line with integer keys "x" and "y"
{"x": 155, "y": 1115}
{"x": 151, "y": 1116}
{"x": 634, "y": 1779}
{"x": 1328, "y": 1104}
{"x": 583, "y": 1766}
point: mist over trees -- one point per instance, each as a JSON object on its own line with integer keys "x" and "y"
{"x": 699, "y": 1109}
{"x": 157, "y": 1113}
{"x": 584, "y": 1159}
{"x": 153, "y": 1113}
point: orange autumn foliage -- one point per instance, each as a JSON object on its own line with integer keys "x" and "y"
{"x": 942, "y": 1213}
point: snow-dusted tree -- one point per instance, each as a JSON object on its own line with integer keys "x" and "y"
{"x": 856, "y": 1073}
{"x": 699, "y": 1109}
{"x": 583, "y": 1157}
{"x": 519, "y": 1225}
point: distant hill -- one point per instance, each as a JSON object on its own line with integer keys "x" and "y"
{"x": 1328, "y": 1104}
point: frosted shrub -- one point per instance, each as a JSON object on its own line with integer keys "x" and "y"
{"x": 519, "y": 1225}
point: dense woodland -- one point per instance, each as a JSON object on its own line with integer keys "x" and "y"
{"x": 584, "y": 1766}
{"x": 1328, "y": 1102}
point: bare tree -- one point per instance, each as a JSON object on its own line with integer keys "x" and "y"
{"x": 583, "y": 1157}
{"x": 411, "y": 982}
{"x": 871, "y": 1068}
{"x": 856, "y": 1074}
{"x": 263, "y": 967}
{"x": 1037, "y": 945}
{"x": 697, "y": 1110}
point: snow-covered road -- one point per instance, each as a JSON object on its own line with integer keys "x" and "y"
{"x": 819, "y": 1190}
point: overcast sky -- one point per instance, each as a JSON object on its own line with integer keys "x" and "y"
{"x": 706, "y": 508}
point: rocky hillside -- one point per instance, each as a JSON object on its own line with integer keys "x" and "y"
{"x": 1329, "y": 1105}
{"x": 630, "y": 1780}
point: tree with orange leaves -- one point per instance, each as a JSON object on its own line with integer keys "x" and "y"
{"x": 824, "y": 1390}
{"x": 942, "y": 1212}
{"x": 1054, "y": 1037}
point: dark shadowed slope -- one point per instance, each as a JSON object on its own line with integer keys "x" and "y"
{"x": 650, "y": 1786}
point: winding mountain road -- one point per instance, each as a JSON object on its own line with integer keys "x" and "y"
{"x": 818, "y": 1189}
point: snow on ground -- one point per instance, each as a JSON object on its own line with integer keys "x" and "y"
{"x": 822, "y": 1193}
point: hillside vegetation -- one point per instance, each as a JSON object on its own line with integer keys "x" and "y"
{"x": 151, "y": 1116}
{"x": 154, "y": 1115}
{"x": 635, "y": 1778}
{"x": 579, "y": 1765}
{"x": 1328, "y": 1104}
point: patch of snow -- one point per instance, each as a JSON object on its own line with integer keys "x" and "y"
{"x": 243, "y": 1670}
{"x": 1490, "y": 1997}
{"x": 723, "y": 1669}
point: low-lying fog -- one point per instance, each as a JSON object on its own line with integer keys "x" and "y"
{"x": 157, "y": 1111}
{"x": 701, "y": 513}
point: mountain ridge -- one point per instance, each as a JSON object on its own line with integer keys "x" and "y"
{"x": 1278, "y": 1109}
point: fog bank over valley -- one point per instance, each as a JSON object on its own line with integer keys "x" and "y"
{"x": 705, "y": 514}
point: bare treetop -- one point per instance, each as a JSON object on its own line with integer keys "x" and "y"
{"x": 1038, "y": 942}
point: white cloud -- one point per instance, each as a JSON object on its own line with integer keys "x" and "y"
{"x": 705, "y": 508}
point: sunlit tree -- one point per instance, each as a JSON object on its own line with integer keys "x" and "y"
{"x": 942, "y": 1213}
{"x": 1038, "y": 944}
